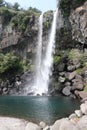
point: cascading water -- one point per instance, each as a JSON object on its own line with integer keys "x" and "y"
{"x": 39, "y": 56}
{"x": 44, "y": 66}
{"x": 48, "y": 60}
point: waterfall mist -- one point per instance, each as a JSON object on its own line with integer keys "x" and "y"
{"x": 44, "y": 66}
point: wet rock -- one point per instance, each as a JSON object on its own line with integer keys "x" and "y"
{"x": 66, "y": 91}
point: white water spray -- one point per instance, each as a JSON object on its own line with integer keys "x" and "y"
{"x": 44, "y": 67}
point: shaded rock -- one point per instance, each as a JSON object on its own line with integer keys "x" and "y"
{"x": 63, "y": 124}
{"x": 82, "y": 123}
{"x": 78, "y": 113}
{"x": 78, "y": 83}
{"x": 67, "y": 84}
{"x": 83, "y": 108}
{"x": 61, "y": 79}
{"x": 62, "y": 73}
{"x": 70, "y": 76}
{"x": 81, "y": 94}
{"x": 61, "y": 67}
{"x": 32, "y": 126}
{"x": 78, "y": 19}
{"x": 71, "y": 68}
{"x": 66, "y": 91}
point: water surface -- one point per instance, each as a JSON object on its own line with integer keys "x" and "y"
{"x": 37, "y": 109}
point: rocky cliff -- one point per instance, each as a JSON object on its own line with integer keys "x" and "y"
{"x": 18, "y": 34}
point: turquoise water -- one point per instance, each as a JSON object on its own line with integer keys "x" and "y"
{"x": 37, "y": 109}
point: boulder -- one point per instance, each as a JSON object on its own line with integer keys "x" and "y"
{"x": 81, "y": 94}
{"x": 83, "y": 108}
{"x": 61, "y": 79}
{"x": 32, "y": 126}
{"x": 82, "y": 123}
{"x": 72, "y": 116}
{"x": 71, "y": 68}
{"x": 47, "y": 128}
{"x": 63, "y": 124}
{"x": 77, "y": 83}
{"x": 42, "y": 124}
{"x": 70, "y": 76}
{"x": 66, "y": 91}
{"x": 61, "y": 67}
{"x": 78, "y": 113}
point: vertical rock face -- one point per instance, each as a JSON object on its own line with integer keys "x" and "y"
{"x": 78, "y": 19}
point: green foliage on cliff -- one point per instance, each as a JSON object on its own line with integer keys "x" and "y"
{"x": 85, "y": 87}
{"x": 6, "y": 14}
{"x": 48, "y": 17}
{"x": 67, "y": 5}
{"x": 16, "y": 6}
{"x": 56, "y": 59}
{"x": 10, "y": 65}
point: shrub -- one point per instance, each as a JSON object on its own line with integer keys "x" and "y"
{"x": 56, "y": 59}
{"x": 10, "y": 65}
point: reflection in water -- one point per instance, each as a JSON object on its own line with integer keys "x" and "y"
{"x": 37, "y": 109}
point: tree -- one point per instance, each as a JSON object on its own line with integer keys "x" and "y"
{"x": 16, "y": 6}
{"x": 34, "y": 10}
{"x": 10, "y": 65}
{"x": 8, "y": 5}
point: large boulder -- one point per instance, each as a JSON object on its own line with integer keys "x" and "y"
{"x": 66, "y": 91}
{"x": 82, "y": 123}
{"x": 32, "y": 126}
{"x": 70, "y": 76}
{"x": 83, "y": 108}
{"x": 63, "y": 124}
{"x": 78, "y": 83}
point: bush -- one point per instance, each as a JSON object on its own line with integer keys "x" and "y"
{"x": 56, "y": 59}
{"x": 10, "y": 65}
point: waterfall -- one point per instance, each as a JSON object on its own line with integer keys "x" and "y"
{"x": 48, "y": 60}
{"x": 44, "y": 67}
{"x": 39, "y": 57}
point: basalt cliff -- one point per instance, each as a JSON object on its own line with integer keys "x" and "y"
{"x": 18, "y": 41}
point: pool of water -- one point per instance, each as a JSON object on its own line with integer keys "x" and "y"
{"x": 38, "y": 108}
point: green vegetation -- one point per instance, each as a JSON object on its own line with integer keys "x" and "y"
{"x": 71, "y": 5}
{"x": 74, "y": 54}
{"x": 10, "y": 65}
{"x": 56, "y": 59}
{"x": 79, "y": 70}
{"x": 48, "y": 16}
{"x": 85, "y": 88}
{"x": 16, "y": 6}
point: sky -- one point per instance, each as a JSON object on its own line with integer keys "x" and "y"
{"x": 42, "y": 5}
